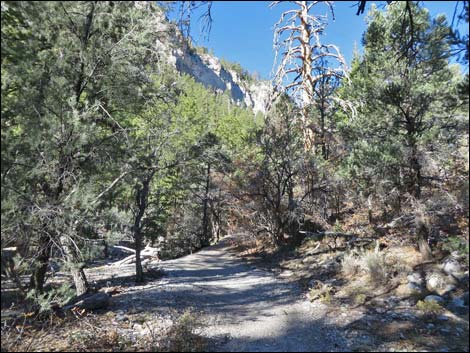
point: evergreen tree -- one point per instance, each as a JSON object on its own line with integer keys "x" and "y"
{"x": 404, "y": 90}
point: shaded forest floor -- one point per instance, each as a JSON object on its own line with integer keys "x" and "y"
{"x": 244, "y": 297}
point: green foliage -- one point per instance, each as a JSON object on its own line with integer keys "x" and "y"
{"x": 89, "y": 115}
{"x": 404, "y": 91}
{"x": 458, "y": 244}
{"x": 338, "y": 227}
{"x": 275, "y": 171}
{"x": 429, "y": 307}
{"x": 360, "y": 299}
{"x": 234, "y": 66}
{"x": 55, "y": 297}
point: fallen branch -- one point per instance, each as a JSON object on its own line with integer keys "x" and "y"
{"x": 124, "y": 248}
{"x": 148, "y": 253}
{"x": 321, "y": 235}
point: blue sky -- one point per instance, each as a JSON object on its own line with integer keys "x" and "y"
{"x": 242, "y": 31}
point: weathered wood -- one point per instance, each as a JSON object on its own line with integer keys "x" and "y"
{"x": 124, "y": 248}
{"x": 147, "y": 253}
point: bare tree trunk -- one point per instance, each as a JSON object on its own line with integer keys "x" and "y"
{"x": 306, "y": 71}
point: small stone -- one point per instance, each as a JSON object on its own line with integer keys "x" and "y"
{"x": 465, "y": 298}
{"x": 434, "y": 298}
{"x": 415, "y": 278}
{"x": 442, "y": 318}
{"x": 414, "y": 287}
{"x": 449, "y": 288}
{"x": 457, "y": 306}
{"x": 121, "y": 318}
{"x": 458, "y": 302}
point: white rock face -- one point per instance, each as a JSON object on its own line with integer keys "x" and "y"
{"x": 208, "y": 70}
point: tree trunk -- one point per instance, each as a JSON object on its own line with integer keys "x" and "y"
{"x": 423, "y": 246}
{"x": 139, "y": 272}
{"x": 306, "y": 71}
{"x": 80, "y": 281}
{"x": 39, "y": 272}
{"x": 78, "y": 275}
{"x": 416, "y": 170}
{"x": 322, "y": 121}
{"x": 205, "y": 217}
{"x": 141, "y": 199}
{"x": 105, "y": 249}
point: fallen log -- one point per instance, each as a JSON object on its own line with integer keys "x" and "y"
{"x": 89, "y": 301}
{"x": 148, "y": 253}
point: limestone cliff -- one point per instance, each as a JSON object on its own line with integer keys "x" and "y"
{"x": 208, "y": 69}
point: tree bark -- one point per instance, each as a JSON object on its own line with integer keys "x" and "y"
{"x": 78, "y": 275}
{"x": 416, "y": 170}
{"x": 306, "y": 71}
{"x": 39, "y": 272}
{"x": 141, "y": 203}
{"x": 205, "y": 217}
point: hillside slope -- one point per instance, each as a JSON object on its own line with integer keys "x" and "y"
{"x": 209, "y": 70}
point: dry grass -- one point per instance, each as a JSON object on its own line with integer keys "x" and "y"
{"x": 350, "y": 265}
{"x": 101, "y": 333}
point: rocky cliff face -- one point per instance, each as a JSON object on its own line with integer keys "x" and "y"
{"x": 208, "y": 70}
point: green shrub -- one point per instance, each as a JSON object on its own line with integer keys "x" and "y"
{"x": 455, "y": 243}
{"x": 429, "y": 307}
{"x": 360, "y": 299}
{"x": 51, "y": 298}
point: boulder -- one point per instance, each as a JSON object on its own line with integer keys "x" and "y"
{"x": 439, "y": 283}
{"x": 410, "y": 290}
{"x": 454, "y": 269}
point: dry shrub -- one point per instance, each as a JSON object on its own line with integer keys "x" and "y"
{"x": 372, "y": 262}
{"x": 375, "y": 265}
{"x": 322, "y": 292}
{"x": 350, "y": 265}
{"x": 182, "y": 336}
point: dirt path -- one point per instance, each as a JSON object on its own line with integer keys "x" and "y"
{"x": 244, "y": 308}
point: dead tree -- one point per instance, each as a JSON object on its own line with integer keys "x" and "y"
{"x": 300, "y": 53}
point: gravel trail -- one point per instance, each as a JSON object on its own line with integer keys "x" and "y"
{"x": 244, "y": 308}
